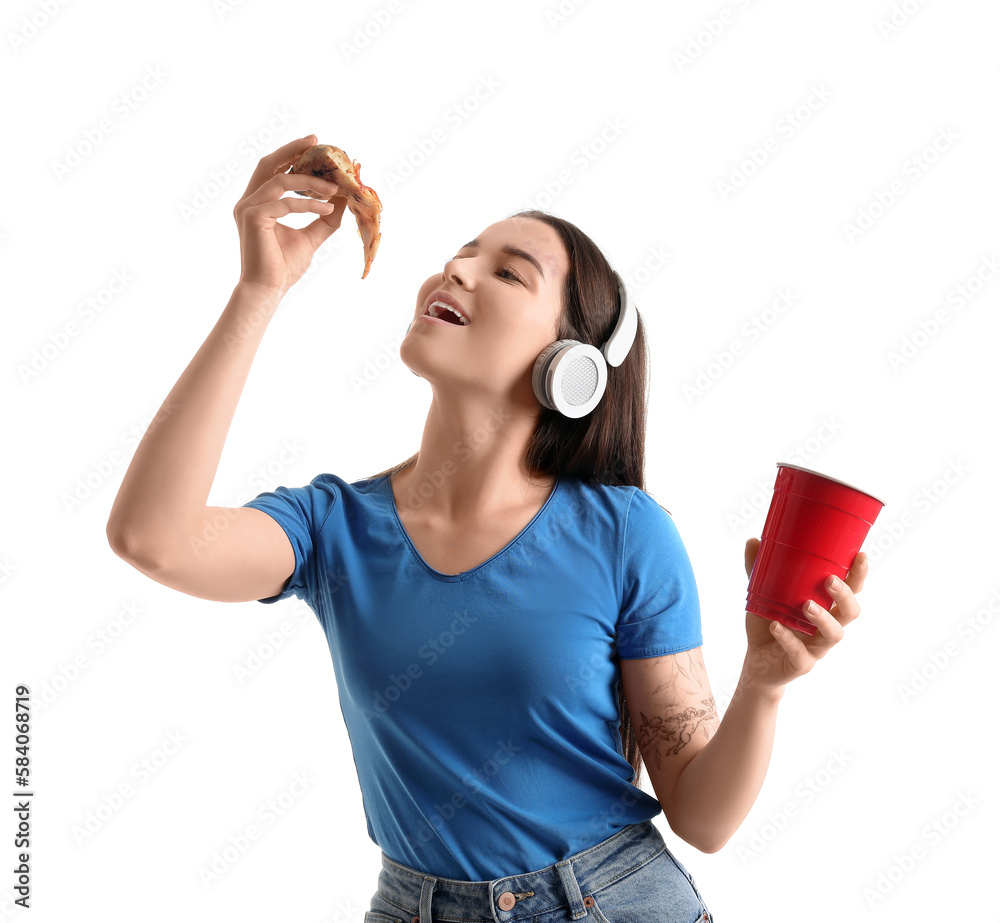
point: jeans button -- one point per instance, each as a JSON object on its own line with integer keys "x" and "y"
{"x": 506, "y": 900}
{"x": 588, "y": 901}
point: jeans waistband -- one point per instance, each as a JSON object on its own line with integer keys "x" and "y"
{"x": 505, "y": 900}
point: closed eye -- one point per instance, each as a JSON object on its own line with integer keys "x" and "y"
{"x": 510, "y": 272}
{"x": 506, "y": 269}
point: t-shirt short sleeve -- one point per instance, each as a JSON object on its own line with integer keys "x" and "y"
{"x": 301, "y": 512}
{"x": 661, "y": 612}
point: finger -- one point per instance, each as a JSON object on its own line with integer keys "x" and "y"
{"x": 859, "y": 570}
{"x": 334, "y": 192}
{"x": 269, "y": 212}
{"x": 795, "y": 650}
{"x": 283, "y": 182}
{"x": 844, "y": 601}
{"x": 827, "y": 625}
{"x": 276, "y": 161}
{"x": 750, "y": 554}
{"x": 319, "y": 230}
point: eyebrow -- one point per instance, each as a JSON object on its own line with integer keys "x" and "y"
{"x": 513, "y": 251}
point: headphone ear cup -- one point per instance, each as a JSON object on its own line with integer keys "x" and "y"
{"x": 570, "y": 377}
{"x": 539, "y": 372}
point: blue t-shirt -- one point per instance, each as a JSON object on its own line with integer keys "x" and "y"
{"x": 481, "y": 706}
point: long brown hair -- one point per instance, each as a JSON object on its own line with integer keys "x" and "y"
{"x": 608, "y": 445}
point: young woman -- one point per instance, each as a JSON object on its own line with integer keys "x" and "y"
{"x": 513, "y": 621}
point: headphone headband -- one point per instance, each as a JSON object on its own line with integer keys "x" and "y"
{"x": 623, "y": 336}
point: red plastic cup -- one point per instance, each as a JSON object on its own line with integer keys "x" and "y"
{"x": 815, "y": 527}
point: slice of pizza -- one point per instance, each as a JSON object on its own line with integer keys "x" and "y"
{"x": 333, "y": 164}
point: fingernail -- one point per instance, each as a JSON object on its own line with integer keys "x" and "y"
{"x": 833, "y": 584}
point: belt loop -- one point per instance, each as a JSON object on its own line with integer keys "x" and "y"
{"x": 425, "y": 899}
{"x": 571, "y": 889}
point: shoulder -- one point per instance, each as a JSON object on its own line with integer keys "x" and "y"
{"x": 616, "y": 497}
{"x": 316, "y": 500}
{"x": 368, "y": 496}
{"x": 625, "y": 509}
{"x": 651, "y": 539}
{"x": 645, "y": 510}
{"x": 340, "y": 488}
{"x": 628, "y": 503}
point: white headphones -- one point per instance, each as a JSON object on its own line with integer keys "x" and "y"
{"x": 570, "y": 376}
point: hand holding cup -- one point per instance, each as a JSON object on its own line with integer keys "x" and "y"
{"x": 777, "y": 654}
{"x": 808, "y": 558}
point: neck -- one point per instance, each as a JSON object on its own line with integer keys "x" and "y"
{"x": 471, "y": 463}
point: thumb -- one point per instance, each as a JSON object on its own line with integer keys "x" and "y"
{"x": 319, "y": 230}
{"x": 750, "y": 554}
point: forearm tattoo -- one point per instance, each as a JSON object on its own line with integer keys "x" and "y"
{"x": 672, "y": 728}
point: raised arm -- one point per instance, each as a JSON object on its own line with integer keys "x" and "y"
{"x": 160, "y": 512}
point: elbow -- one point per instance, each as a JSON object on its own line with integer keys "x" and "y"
{"x": 114, "y": 537}
{"x": 705, "y": 842}
{"x": 122, "y": 542}
{"x": 126, "y": 545}
{"x": 702, "y": 839}
{"x": 710, "y": 846}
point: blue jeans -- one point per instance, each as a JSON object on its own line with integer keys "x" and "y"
{"x": 629, "y": 878}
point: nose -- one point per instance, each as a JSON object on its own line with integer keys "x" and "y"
{"x": 451, "y": 271}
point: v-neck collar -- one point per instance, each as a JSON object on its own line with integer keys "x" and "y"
{"x": 462, "y": 575}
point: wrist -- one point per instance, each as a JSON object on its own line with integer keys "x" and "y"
{"x": 265, "y": 297}
{"x": 251, "y": 306}
{"x": 750, "y": 685}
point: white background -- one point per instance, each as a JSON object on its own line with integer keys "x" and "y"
{"x": 853, "y": 105}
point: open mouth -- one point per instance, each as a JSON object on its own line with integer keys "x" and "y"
{"x": 447, "y": 313}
